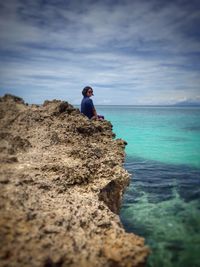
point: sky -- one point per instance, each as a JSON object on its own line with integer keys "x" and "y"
{"x": 132, "y": 52}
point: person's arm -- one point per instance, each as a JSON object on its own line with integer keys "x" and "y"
{"x": 95, "y": 113}
{"x": 95, "y": 116}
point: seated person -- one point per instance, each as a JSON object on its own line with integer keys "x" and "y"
{"x": 87, "y": 106}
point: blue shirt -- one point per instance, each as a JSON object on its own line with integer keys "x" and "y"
{"x": 87, "y": 107}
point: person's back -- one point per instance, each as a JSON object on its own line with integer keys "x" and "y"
{"x": 87, "y": 107}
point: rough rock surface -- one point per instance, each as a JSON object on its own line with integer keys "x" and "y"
{"x": 61, "y": 183}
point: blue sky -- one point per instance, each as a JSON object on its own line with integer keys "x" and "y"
{"x": 131, "y": 52}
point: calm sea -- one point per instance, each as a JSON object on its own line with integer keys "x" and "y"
{"x": 162, "y": 202}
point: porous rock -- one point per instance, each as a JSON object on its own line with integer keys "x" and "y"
{"x": 61, "y": 184}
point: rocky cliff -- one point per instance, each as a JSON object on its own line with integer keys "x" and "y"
{"x": 61, "y": 184}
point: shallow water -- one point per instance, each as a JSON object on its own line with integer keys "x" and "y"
{"x": 162, "y": 202}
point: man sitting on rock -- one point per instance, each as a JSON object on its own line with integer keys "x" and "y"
{"x": 87, "y": 106}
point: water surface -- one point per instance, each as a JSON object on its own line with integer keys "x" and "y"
{"x": 162, "y": 202}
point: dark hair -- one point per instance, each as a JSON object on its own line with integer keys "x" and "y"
{"x": 85, "y": 89}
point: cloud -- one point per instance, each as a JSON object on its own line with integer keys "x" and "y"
{"x": 129, "y": 51}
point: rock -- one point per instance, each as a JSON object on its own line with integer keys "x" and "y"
{"x": 61, "y": 184}
{"x": 10, "y": 98}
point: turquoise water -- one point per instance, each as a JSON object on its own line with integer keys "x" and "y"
{"x": 162, "y": 202}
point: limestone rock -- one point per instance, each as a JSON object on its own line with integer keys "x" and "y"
{"x": 61, "y": 184}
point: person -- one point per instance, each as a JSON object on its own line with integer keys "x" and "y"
{"x": 87, "y": 106}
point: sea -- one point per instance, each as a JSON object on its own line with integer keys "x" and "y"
{"x": 162, "y": 202}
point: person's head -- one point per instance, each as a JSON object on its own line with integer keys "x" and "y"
{"x": 87, "y": 91}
